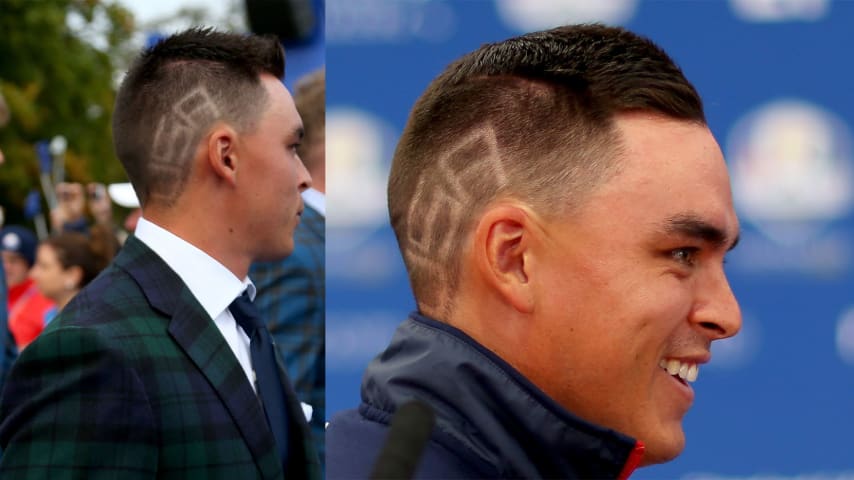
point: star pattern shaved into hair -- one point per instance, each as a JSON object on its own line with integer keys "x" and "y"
{"x": 174, "y": 139}
{"x": 442, "y": 207}
{"x": 177, "y": 89}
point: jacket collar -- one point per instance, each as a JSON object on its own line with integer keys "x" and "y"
{"x": 487, "y": 409}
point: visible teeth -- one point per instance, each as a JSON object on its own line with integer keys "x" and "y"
{"x": 673, "y": 367}
{"x": 692, "y": 373}
{"x": 686, "y": 371}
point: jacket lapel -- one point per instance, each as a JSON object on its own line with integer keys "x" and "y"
{"x": 201, "y": 340}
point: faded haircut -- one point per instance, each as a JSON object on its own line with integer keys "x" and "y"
{"x": 530, "y": 118}
{"x": 310, "y": 100}
{"x": 178, "y": 89}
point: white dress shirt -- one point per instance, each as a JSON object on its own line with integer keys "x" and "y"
{"x": 213, "y": 285}
{"x": 316, "y": 200}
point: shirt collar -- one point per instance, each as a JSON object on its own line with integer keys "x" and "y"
{"x": 316, "y": 200}
{"x": 213, "y": 285}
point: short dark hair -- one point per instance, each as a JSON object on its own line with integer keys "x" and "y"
{"x": 176, "y": 90}
{"x": 530, "y": 118}
{"x": 310, "y": 100}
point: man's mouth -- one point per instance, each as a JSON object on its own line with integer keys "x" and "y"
{"x": 685, "y": 371}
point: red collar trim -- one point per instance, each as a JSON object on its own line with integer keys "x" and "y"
{"x": 633, "y": 462}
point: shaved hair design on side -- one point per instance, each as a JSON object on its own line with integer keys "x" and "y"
{"x": 176, "y": 91}
{"x": 531, "y": 119}
{"x": 441, "y": 205}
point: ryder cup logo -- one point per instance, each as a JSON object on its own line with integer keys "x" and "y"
{"x": 359, "y": 149}
{"x": 791, "y": 169}
{"x": 530, "y": 15}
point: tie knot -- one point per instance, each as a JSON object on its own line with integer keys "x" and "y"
{"x": 246, "y": 314}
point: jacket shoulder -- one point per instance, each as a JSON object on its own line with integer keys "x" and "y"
{"x": 114, "y": 305}
{"x": 354, "y": 442}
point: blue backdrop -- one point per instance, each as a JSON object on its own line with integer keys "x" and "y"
{"x": 776, "y": 77}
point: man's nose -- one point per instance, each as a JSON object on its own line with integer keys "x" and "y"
{"x": 717, "y": 313}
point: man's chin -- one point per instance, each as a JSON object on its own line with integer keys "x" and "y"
{"x": 663, "y": 448}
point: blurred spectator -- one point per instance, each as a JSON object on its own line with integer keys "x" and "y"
{"x": 291, "y": 292}
{"x": 67, "y": 262}
{"x": 124, "y": 195}
{"x": 74, "y": 201}
{"x": 9, "y": 351}
{"x": 29, "y": 310}
{"x": 310, "y": 99}
{"x": 70, "y": 211}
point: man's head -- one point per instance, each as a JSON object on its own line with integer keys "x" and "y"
{"x": 204, "y": 124}
{"x": 559, "y": 197}
{"x": 177, "y": 90}
{"x": 18, "y": 246}
{"x": 310, "y": 99}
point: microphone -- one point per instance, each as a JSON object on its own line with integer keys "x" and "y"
{"x": 407, "y": 437}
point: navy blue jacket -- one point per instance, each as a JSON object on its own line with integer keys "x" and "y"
{"x": 491, "y": 422}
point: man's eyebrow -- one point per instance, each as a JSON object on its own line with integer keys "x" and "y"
{"x": 693, "y": 226}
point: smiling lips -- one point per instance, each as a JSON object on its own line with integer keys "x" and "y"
{"x": 684, "y": 370}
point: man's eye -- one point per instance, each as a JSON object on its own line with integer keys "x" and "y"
{"x": 685, "y": 255}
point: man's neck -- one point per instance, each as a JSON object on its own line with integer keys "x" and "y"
{"x": 198, "y": 231}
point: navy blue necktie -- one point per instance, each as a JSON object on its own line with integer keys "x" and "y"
{"x": 267, "y": 380}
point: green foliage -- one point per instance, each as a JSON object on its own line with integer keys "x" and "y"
{"x": 58, "y": 61}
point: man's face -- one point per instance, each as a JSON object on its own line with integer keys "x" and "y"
{"x": 634, "y": 280}
{"x": 51, "y": 279}
{"x": 16, "y": 267}
{"x": 275, "y": 176}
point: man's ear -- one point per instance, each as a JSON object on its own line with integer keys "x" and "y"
{"x": 502, "y": 244}
{"x": 222, "y": 154}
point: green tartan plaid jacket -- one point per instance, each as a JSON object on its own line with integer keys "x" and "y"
{"x": 134, "y": 380}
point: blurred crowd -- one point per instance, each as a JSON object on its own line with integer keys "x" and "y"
{"x": 43, "y": 275}
{"x": 41, "y": 272}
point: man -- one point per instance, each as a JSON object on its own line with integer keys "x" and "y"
{"x": 291, "y": 292}
{"x": 563, "y": 212}
{"x": 157, "y": 369}
{"x": 29, "y": 310}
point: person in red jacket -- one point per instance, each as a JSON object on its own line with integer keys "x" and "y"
{"x": 29, "y": 310}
